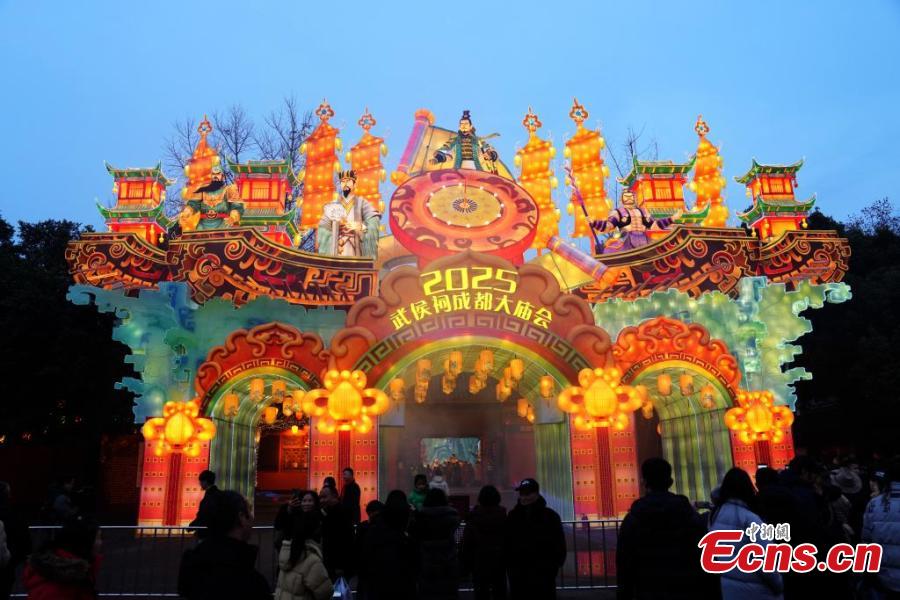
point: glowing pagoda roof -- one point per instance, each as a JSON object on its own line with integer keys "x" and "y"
{"x": 154, "y": 173}
{"x": 774, "y": 207}
{"x": 757, "y": 169}
{"x": 264, "y": 167}
{"x": 656, "y": 167}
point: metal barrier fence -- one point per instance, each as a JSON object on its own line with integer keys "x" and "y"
{"x": 144, "y": 561}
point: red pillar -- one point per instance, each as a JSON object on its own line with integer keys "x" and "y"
{"x": 173, "y": 490}
{"x": 763, "y": 452}
{"x": 605, "y": 473}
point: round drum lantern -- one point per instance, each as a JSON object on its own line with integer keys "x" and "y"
{"x": 451, "y": 210}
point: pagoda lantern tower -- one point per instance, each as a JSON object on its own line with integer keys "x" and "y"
{"x": 659, "y": 187}
{"x": 775, "y": 209}
{"x": 321, "y": 164}
{"x": 140, "y": 196}
{"x": 583, "y": 150}
{"x": 365, "y": 160}
{"x": 538, "y": 180}
{"x": 265, "y": 188}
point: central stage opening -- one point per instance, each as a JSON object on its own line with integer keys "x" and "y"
{"x": 477, "y": 411}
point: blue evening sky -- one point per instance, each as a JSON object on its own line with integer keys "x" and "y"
{"x": 84, "y": 82}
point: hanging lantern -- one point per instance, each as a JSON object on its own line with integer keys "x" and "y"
{"x": 279, "y": 389}
{"x": 708, "y": 396}
{"x": 529, "y": 415}
{"x": 231, "y": 403}
{"x": 505, "y": 385}
{"x": 295, "y": 430}
{"x": 756, "y": 418}
{"x": 257, "y": 389}
{"x": 180, "y": 429}
{"x": 546, "y": 387}
{"x": 522, "y": 407}
{"x": 270, "y": 414}
{"x": 397, "y": 389}
{"x": 646, "y": 402}
{"x": 345, "y": 404}
{"x": 452, "y": 368}
{"x": 686, "y": 384}
{"x": 423, "y": 377}
{"x": 664, "y": 384}
{"x": 600, "y": 399}
{"x": 517, "y": 369}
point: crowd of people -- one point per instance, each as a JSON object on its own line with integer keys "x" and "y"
{"x": 658, "y": 555}
{"x": 412, "y": 546}
{"x": 407, "y": 547}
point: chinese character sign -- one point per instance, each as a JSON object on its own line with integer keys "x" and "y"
{"x": 480, "y": 288}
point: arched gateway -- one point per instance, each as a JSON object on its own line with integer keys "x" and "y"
{"x": 272, "y": 347}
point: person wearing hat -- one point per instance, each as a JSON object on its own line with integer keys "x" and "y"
{"x": 215, "y": 205}
{"x": 534, "y": 544}
{"x": 349, "y": 225}
{"x": 467, "y": 150}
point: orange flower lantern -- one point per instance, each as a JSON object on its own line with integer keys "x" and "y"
{"x": 345, "y": 404}
{"x": 756, "y": 418}
{"x": 179, "y": 430}
{"x": 600, "y": 399}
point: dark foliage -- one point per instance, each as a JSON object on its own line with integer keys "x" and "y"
{"x": 853, "y": 400}
{"x": 58, "y": 362}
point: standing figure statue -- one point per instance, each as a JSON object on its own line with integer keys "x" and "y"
{"x": 212, "y": 206}
{"x": 349, "y": 225}
{"x": 467, "y": 150}
{"x": 633, "y": 221}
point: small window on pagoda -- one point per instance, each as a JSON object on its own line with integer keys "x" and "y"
{"x": 260, "y": 190}
{"x": 776, "y": 186}
{"x": 662, "y": 190}
{"x": 135, "y": 190}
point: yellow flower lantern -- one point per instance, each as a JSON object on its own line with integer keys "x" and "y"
{"x": 179, "y": 430}
{"x": 756, "y": 418}
{"x": 600, "y": 399}
{"x": 345, "y": 404}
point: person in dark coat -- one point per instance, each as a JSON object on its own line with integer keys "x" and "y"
{"x": 482, "y": 546}
{"x": 657, "y": 554}
{"x": 18, "y": 540}
{"x": 390, "y": 557}
{"x": 534, "y": 545}
{"x": 208, "y": 485}
{"x": 434, "y": 529}
{"x": 351, "y": 496}
{"x": 337, "y": 535}
{"x": 222, "y": 567}
{"x": 373, "y": 509}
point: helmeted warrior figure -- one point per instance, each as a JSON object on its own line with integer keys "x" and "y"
{"x": 349, "y": 225}
{"x": 212, "y": 206}
{"x": 633, "y": 221}
{"x": 467, "y": 150}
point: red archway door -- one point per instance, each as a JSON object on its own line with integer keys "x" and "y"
{"x": 520, "y": 305}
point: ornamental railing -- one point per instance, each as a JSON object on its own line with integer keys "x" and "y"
{"x": 143, "y": 562}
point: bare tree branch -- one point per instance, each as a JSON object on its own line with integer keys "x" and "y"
{"x": 235, "y": 131}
